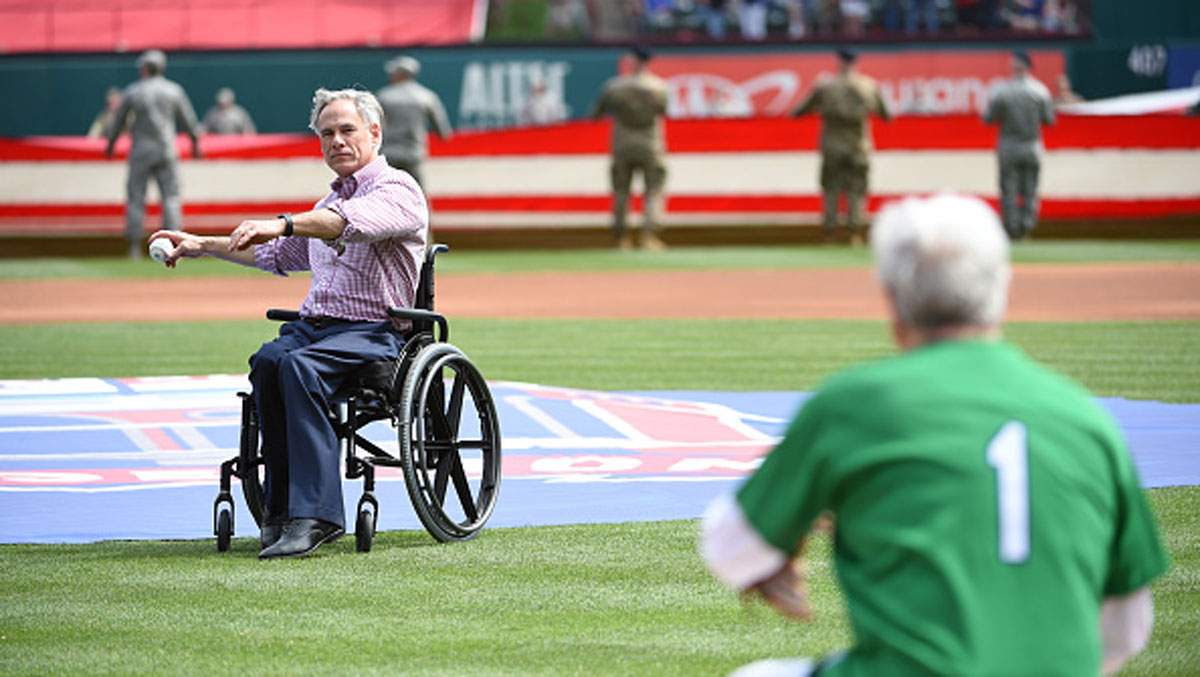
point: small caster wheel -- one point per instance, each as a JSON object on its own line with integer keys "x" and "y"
{"x": 364, "y": 530}
{"x": 224, "y": 530}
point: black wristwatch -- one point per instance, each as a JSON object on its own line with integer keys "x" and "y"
{"x": 289, "y": 226}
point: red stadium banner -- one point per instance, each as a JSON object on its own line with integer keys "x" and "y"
{"x": 955, "y": 132}
{"x": 932, "y": 82}
{"x": 106, "y": 218}
{"x": 131, "y": 25}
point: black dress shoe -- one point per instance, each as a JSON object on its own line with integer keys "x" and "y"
{"x": 301, "y": 537}
{"x": 269, "y": 534}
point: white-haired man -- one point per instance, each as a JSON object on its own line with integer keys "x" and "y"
{"x": 988, "y": 517}
{"x": 409, "y": 109}
{"x": 363, "y": 242}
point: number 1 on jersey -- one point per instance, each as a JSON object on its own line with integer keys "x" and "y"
{"x": 1008, "y": 454}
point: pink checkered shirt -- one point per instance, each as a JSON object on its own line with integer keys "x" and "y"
{"x": 375, "y": 262}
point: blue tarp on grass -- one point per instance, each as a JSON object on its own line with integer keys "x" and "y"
{"x": 95, "y": 459}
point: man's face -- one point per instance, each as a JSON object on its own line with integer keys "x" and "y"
{"x": 347, "y": 143}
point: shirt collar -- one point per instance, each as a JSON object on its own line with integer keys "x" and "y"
{"x": 347, "y": 186}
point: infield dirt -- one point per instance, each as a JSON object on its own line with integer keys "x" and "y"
{"x": 1091, "y": 292}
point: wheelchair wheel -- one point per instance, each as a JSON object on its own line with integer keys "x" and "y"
{"x": 449, "y": 439}
{"x": 250, "y": 464}
{"x": 364, "y": 530}
{"x": 224, "y": 530}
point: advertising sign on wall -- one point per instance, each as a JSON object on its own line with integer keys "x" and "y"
{"x": 920, "y": 82}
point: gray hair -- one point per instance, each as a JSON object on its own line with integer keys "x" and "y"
{"x": 944, "y": 259}
{"x": 366, "y": 103}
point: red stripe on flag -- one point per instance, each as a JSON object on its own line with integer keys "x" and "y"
{"x": 582, "y": 137}
{"x": 1052, "y": 207}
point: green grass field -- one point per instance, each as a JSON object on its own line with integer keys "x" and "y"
{"x": 589, "y": 599}
{"x": 683, "y": 258}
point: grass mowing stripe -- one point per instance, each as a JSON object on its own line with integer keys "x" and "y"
{"x": 463, "y": 260}
{"x": 1138, "y": 360}
{"x": 627, "y": 599}
{"x": 134, "y": 349}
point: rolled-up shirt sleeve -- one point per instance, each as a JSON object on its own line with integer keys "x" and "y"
{"x": 732, "y": 549}
{"x": 388, "y": 208}
{"x": 281, "y": 255}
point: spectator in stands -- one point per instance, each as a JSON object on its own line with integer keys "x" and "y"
{"x": 1020, "y": 107}
{"x": 914, "y": 11}
{"x": 637, "y": 102}
{"x": 568, "y": 19}
{"x": 855, "y": 14}
{"x": 752, "y": 14}
{"x": 712, "y": 14}
{"x": 981, "y": 15}
{"x": 798, "y": 12}
{"x": 920, "y": 10}
{"x": 828, "y": 15}
{"x": 409, "y": 107}
{"x": 615, "y": 20}
{"x": 156, "y": 104}
{"x": 657, "y": 15}
{"x": 1026, "y": 15}
{"x": 103, "y": 121}
{"x": 891, "y": 14}
{"x": 845, "y": 103}
{"x": 227, "y": 117}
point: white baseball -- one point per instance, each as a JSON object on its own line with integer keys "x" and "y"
{"x": 160, "y": 249}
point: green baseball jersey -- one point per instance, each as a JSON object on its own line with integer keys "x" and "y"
{"x": 985, "y": 506}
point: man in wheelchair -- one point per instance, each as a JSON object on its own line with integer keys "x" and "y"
{"x": 364, "y": 243}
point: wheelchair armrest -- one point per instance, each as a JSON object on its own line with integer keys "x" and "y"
{"x": 418, "y": 315}
{"x": 280, "y": 315}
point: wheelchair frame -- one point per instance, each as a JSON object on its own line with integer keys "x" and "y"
{"x": 411, "y": 393}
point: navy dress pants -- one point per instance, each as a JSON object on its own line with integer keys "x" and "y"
{"x": 294, "y": 377}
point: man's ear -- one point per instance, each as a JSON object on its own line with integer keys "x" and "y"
{"x": 901, "y": 333}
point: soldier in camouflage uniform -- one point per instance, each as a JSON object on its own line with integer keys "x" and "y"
{"x": 637, "y": 103}
{"x": 409, "y": 108}
{"x": 844, "y": 103}
{"x": 227, "y": 117}
{"x": 156, "y": 104}
{"x": 1020, "y": 106}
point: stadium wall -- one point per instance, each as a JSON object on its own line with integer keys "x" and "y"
{"x": 734, "y": 158}
{"x": 735, "y": 174}
{"x": 489, "y": 87}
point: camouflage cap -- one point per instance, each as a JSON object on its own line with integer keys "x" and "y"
{"x": 152, "y": 57}
{"x": 402, "y": 64}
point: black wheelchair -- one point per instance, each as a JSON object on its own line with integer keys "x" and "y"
{"x": 444, "y": 417}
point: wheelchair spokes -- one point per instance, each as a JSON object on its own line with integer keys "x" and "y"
{"x": 434, "y": 453}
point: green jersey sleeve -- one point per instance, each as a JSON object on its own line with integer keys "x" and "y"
{"x": 784, "y": 496}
